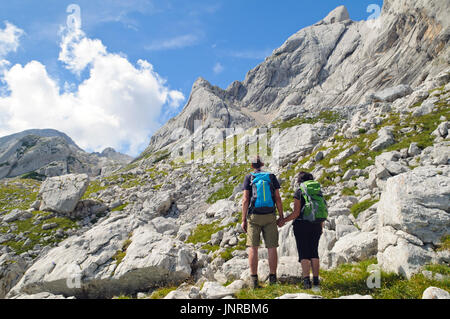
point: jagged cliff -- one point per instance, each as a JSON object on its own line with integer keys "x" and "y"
{"x": 335, "y": 63}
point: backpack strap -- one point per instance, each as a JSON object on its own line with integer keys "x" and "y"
{"x": 252, "y": 195}
{"x": 313, "y": 204}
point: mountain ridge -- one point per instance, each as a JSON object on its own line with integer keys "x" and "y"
{"x": 48, "y": 152}
{"x": 334, "y": 63}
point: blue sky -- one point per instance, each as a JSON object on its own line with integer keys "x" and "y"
{"x": 220, "y": 40}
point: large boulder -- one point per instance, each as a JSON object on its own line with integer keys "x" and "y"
{"x": 413, "y": 217}
{"x": 41, "y": 295}
{"x": 391, "y": 94}
{"x": 154, "y": 259}
{"x": 222, "y": 209}
{"x": 354, "y": 247}
{"x": 287, "y": 244}
{"x": 61, "y": 194}
{"x": 118, "y": 256}
{"x": 435, "y": 293}
{"x": 158, "y": 204}
{"x": 12, "y": 268}
{"x": 385, "y": 138}
{"x": 214, "y": 290}
{"x": 298, "y": 140}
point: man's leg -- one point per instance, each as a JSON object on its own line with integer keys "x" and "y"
{"x": 253, "y": 260}
{"x": 273, "y": 260}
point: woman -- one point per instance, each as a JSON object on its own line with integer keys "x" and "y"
{"x": 307, "y": 235}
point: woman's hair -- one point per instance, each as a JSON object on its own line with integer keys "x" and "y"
{"x": 304, "y": 176}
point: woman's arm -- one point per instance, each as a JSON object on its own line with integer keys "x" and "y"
{"x": 296, "y": 213}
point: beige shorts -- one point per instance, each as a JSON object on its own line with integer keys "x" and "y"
{"x": 265, "y": 224}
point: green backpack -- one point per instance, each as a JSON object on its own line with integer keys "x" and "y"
{"x": 315, "y": 208}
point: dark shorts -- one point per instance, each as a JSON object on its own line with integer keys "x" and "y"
{"x": 307, "y": 236}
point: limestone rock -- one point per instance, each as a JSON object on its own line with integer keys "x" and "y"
{"x": 391, "y": 94}
{"x": 299, "y": 296}
{"x": 385, "y": 139}
{"x": 435, "y": 293}
{"x": 61, "y": 194}
{"x": 413, "y": 214}
{"x": 12, "y": 268}
{"x": 214, "y": 290}
{"x": 354, "y": 247}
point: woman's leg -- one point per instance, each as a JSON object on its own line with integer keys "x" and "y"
{"x": 306, "y": 267}
{"x": 315, "y": 262}
{"x": 316, "y": 234}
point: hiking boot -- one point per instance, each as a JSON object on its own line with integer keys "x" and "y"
{"x": 272, "y": 279}
{"x": 307, "y": 283}
{"x": 254, "y": 283}
{"x": 316, "y": 284}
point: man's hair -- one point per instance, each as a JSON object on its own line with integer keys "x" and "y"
{"x": 257, "y": 162}
{"x": 304, "y": 176}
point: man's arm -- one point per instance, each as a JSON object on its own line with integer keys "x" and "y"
{"x": 279, "y": 203}
{"x": 245, "y": 204}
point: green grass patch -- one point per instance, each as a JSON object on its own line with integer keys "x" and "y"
{"x": 34, "y": 175}
{"x": 203, "y": 232}
{"x": 18, "y": 193}
{"x": 162, "y": 292}
{"x": 324, "y": 116}
{"x": 228, "y": 253}
{"x": 445, "y": 243}
{"x": 362, "y": 206}
{"x": 120, "y": 208}
{"x": 438, "y": 269}
{"x": 93, "y": 188}
{"x": 350, "y": 279}
{"x": 120, "y": 254}
{"x": 222, "y": 193}
{"x": 36, "y": 234}
{"x": 349, "y": 191}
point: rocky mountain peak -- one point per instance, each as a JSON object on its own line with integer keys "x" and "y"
{"x": 333, "y": 64}
{"x": 339, "y": 14}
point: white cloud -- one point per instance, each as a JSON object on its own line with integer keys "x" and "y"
{"x": 118, "y": 105}
{"x": 9, "y": 39}
{"x": 178, "y": 42}
{"x": 77, "y": 51}
{"x": 218, "y": 68}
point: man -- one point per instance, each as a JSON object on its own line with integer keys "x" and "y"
{"x": 257, "y": 220}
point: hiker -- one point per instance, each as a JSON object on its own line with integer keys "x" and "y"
{"x": 261, "y": 195}
{"x": 308, "y": 229}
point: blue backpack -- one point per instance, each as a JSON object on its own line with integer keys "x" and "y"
{"x": 263, "y": 194}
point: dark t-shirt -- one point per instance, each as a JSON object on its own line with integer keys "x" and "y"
{"x": 298, "y": 195}
{"x": 248, "y": 187}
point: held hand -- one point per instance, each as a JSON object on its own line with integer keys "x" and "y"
{"x": 280, "y": 222}
{"x": 244, "y": 225}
